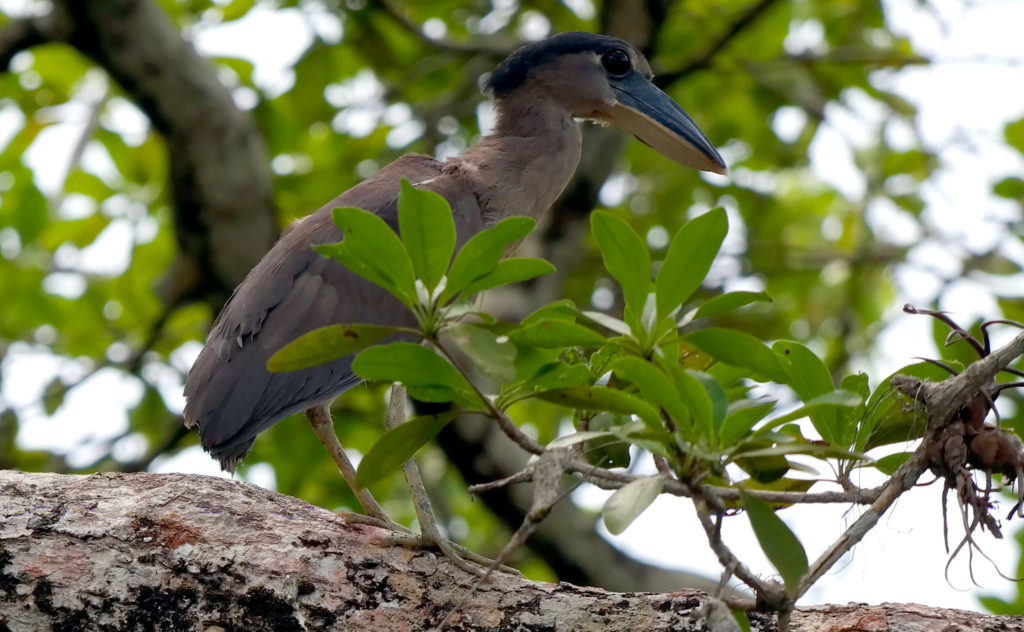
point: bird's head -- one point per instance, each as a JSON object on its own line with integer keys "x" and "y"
{"x": 609, "y": 80}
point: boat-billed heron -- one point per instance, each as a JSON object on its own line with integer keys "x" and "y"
{"x": 520, "y": 168}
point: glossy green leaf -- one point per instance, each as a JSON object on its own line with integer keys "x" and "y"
{"x": 557, "y": 333}
{"x": 765, "y": 468}
{"x": 718, "y": 398}
{"x": 889, "y": 463}
{"x": 428, "y": 232}
{"x": 625, "y": 257}
{"x": 696, "y": 398}
{"x": 326, "y": 344}
{"x": 741, "y": 418}
{"x": 425, "y": 374}
{"x": 656, "y": 387}
{"x": 608, "y": 322}
{"x": 777, "y": 541}
{"x": 820, "y": 404}
{"x": 482, "y": 252}
{"x": 509, "y": 271}
{"x": 602, "y": 398}
{"x": 629, "y": 501}
{"x": 729, "y": 301}
{"x": 809, "y": 377}
{"x": 689, "y": 259}
{"x": 373, "y": 251}
{"x": 563, "y": 309}
{"x": 495, "y": 359}
{"x": 397, "y": 446}
{"x": 739, "y": 349}
{"x": 559, "y": 375}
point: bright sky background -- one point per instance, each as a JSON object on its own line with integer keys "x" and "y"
{"x": 964, "y": 100}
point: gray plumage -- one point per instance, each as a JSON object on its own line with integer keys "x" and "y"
{"x": 519, "y": 169}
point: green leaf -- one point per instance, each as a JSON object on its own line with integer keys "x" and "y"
{"x": 1014, "y": 135}
{"x": 890, "y": 463}
{"x": 563, "y": 309}
{"x": 629, "y": 501}
{"x": 602, "y": 398}
{"x": 739, "y": 349}
{"x": 826, "y": 402}
{"x": 397, "y": 446}
{"x": 716, "y": 395}
{"x": 495, "y": 359}
{"x": 559, "y": 375}
{"x": 741, "y": 620}
{"x": 608, "y": 322}
{"x": 482, "y": 252}
{"x": 741, "y": 417}
{"x": 326, "y": 344}
{"x": 654, "y": 385}
{"x": 781, "y": 546}
{"x": 509, "y": 271}
{"x": 608, "y": 451}
{"x": 808, "y": 375}
{"x": 373, "y": 251}
{"x": 428, "y": 232}
{"x": 889, "y": 417}
{"x": 557, "y": 333}
{"x": 53, "y": 395}
{"x": 764, "y": 469}
{"x": 729, "y": 301}
{"x": 625, "y": 257}
{"x": 696, "y": 398}
{"x": 689, "y": 258}
{"x": 426, "y": 375}
{"x": 810, "y": 378}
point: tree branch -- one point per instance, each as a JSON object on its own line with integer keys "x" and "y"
{"x": 225, "y": 217}
{"x": 943, "y": 400}
{"x": 703, "y": 61}
{"x": 138, "y": 551}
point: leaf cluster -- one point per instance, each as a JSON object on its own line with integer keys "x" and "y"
{"x": 655, "y": 379}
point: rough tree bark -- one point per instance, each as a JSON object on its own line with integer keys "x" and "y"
{"x": 177, "y": 552}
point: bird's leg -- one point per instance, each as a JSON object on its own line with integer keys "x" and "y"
{"x": 320, "y": 418}
{"x": 430, "y": 532}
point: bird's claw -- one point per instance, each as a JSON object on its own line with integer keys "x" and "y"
{"x": 473, "y": 563}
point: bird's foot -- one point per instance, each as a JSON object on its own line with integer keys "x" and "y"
{"x": 383, "y": 521}
{"x": 401, "y": 535}
{"x": 460, "y": 556}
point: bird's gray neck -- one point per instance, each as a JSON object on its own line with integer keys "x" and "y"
{"x": 526, "y": 162}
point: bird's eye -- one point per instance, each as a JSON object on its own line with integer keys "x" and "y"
{"x": 616, "y": 61}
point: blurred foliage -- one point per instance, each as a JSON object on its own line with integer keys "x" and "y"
{"x": 86, "y": 223}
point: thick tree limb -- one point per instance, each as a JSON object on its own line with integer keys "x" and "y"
{"x": 147, "y": 551}
{"x": 225, "y": 217}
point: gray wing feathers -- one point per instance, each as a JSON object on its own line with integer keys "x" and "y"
{"x": 230, "y": 395}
